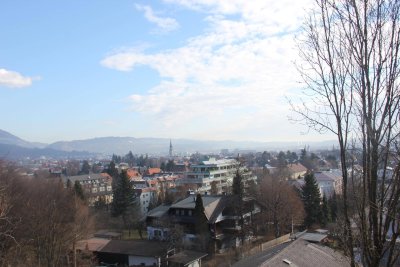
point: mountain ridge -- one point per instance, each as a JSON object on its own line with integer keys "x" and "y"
{"x": 157, "y": 146}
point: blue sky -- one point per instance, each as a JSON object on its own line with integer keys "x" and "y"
{"x": 201, "y": 69}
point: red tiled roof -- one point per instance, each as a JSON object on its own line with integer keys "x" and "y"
{"x": 151, "y": 171}
{"x": 133, "y": 173}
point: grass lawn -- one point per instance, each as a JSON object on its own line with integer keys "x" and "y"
{"x": 134, "y": 235}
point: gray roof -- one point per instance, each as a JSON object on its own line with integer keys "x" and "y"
{"x": 313, "y": 237}
{"x": 143, "y": 248}
{"x": 186, "y": 256}
{"x": 85, "y": 177}
{"x": 331, "y": 175}
{"x": 302, "y": 253}
{"x": 159, "y": 211}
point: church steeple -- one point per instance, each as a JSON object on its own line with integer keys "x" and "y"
{"x": 170, "y": 148}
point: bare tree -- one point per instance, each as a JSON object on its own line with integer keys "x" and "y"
{"x": 46, "y": 220}
{"x": 283, "y": 204}
{"x": 350, "y": 52}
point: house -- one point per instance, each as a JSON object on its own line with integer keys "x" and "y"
{"x": 296, "y": 170}
{"x": 270, "y": 168}
{"x": 145, "y": 196}
{"x": 97, "y": 186}
{"x": 133, "y": 253}
{"x": 329, "y": 182}
{"x": 221, "y": 213}
{"x": 134, "y": 174}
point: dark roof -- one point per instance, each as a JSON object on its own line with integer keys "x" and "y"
{"x": 158, "y": 211}
{"x": 213, "y": 205}
{"x": 186, "y": 256}
{"x": 143, "y": 248}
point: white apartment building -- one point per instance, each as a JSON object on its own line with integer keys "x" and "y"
{"x": 221, "y": 172}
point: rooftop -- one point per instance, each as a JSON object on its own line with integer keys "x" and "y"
{"x": 302, "y": 253}
{"x": 143, "y": 248}
{"x": 186, "y": 256}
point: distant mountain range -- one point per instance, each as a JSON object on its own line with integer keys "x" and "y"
{"x": 12, "y": 146}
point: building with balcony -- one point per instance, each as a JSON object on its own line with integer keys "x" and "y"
{"x": 97, "y": 186}
{"x": 201, "y": 176}
{"x": 223, "y": 218}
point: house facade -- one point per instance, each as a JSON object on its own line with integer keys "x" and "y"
{"x": 97, "y": 186}
{"x": 329, "y": 182}
{"x": 222, "y": 216}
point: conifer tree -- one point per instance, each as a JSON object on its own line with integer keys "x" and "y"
{"x": 332, "y": 203}
{"x": 326, "y": 213}
{"x": 312, "y": 200}
{"x": 79, "y": 191}
{"x": 201, "y": 223}
{"x": 85, "y": 167}
{"x": 123, "y": 198}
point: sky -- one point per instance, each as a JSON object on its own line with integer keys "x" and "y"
{"x": 198, "y": 69}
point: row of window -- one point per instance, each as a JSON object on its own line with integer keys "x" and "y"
{"x": 183, "y": 212}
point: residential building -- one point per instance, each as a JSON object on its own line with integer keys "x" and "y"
{"x": 201, "y": 176}
{"x": 329, "y": 182}
{"x": 145, "y": 197}
{"x": 296, "y": 170}
{"x": 221, "y": 213}
{"x": 97, "y": 186}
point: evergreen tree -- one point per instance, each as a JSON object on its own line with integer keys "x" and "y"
{"x": 79, "y": 190}
{"x": 85, "y": 167}
{"x": 163, "y": 167}
{"x": 238, "y": 192}
{"x": 123, "y": 198}
{"x": 130, "y": 158}
{"x": 312, "y": 200}
{"x": 112, "y": 170}
{"x": 116, "y": 159}
{"x": 332, "y": 203}
{"x": 237, "y": 184}
{"x": 201, "y": 223}
{"x": 326, "y": 213}
{"x": 69, "y": 184}
{"x": 170, "y": 166}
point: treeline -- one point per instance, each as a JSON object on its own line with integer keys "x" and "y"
{"x": 40, "y": 220}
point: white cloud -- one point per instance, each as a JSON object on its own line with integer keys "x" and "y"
{"x": 165, "y": 23}
{"x": 14, "y": 79}
{"x": 229, "y": 82}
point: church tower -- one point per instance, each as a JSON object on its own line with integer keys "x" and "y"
{"x": 170, "y": 149}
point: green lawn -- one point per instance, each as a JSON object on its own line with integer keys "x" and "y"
{"x": 134, "y": 235}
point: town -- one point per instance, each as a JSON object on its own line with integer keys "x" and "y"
{"x": 195, "y": 133}
{"x": 216, "y": 209}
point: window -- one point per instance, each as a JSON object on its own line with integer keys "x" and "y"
{"x": 190, "y": 212}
